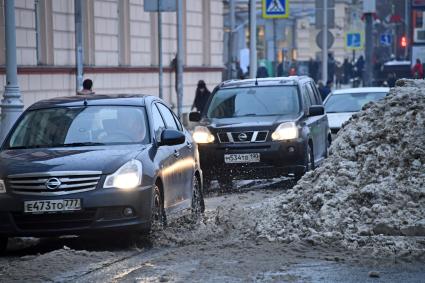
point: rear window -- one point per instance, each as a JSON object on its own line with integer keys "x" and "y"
{"x": 350, "y": 102}
{"x": 254, "y": 101}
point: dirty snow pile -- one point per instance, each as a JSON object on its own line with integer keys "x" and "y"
{"x": 370, "y": 192}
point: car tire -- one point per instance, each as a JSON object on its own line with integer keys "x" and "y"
{"x": 158, "y": 217}
{"x": 309, "y": 163}
{"x": 198, "y": 205}
{"x": 3, "y": 244}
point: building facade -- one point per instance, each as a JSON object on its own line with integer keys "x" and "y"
{"x": 120, "y": 47}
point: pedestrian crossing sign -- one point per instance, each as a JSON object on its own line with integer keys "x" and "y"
{"x": 354, "y": 40}
{"x": 273, "y": 9}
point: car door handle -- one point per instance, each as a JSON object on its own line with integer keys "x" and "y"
{"x": 189, "y": 145}
{"x": 176, "y": 153}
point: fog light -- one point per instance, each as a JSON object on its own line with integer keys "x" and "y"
{"x": 128, "y": 211}
{"x": 291, "y": 149}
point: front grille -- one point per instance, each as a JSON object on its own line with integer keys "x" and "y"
{"x": 52, "y": 221}
{"x": 62, "y": 183}
{"x": 242, "y": 137}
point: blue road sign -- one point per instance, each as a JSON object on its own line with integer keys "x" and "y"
{"x": 273, "y": 9}
{"x": 354, "y": 40}
{"x": 386, "y": 39}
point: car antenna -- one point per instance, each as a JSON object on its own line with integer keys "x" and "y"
{"x": 256, "y": 81}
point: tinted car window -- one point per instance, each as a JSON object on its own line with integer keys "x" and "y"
{"x": 350, "y": 102}
{"x": 306, "y": 96}
{"x": 315, "y": 94}
{"x": 58, "y": 127}
{"x": 168, "y": 117}
{"x": 310, "y": 92}
{"x": 254, "y": 101}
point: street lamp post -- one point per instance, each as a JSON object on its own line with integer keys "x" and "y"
{"x": 252, "y": 39}
{"x": 369, "y": 7}
{"x": 325, "y": 43}
{"x": 180, "y": 52}
{"x": 11, "y": 105}
{"x": 78, "y": 44}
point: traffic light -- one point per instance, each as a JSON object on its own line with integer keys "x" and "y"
{"x": 403, "y": 41}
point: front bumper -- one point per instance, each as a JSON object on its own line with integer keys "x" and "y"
{"x": 102, "y": 209}
{"x": 276, "y": 159}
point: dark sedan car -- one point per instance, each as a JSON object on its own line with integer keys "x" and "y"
{"x": 93, "y": 163}
{"x": 261, "y": 128}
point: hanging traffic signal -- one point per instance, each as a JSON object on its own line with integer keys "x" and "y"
{"x": 403, "y": 41}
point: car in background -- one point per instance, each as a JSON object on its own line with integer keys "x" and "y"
{"x": 261, "y": 128}
{"x": 95, "y": 163}
{"x": 341, "y": 104}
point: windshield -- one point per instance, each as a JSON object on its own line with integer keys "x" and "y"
{"x": 80, "y": 126}
{"x": 254, "y": 101}
{"x": 350, "y": 102}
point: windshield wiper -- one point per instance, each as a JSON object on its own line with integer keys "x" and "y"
{"x": 26, "y": 147}
{"x": 80, "y": 144}
{"x": 247, "y": 115}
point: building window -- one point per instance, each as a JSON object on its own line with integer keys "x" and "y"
{"x": 44, "y": 31}
{"x": 206, "y": 32}
{"x": 88, "y": 32}
{"x": 2, "y": 35}
{"x": 124, "y": 32}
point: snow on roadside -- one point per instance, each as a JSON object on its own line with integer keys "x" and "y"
{"x": 370, "y": 192}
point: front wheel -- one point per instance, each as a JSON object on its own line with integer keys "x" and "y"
{"x": 309, "y": 164}
{"x": 158, "y": 217}
{"x": 3, "y": 244}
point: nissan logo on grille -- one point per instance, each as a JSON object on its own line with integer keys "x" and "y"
{"x": 53, "y": 183}
{"x": 242, "y": 137}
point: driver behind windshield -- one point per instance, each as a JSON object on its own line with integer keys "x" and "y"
{"x": 128, "y": 126}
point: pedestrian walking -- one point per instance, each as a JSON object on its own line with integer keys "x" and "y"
{"x": 324, "y": 92}
{"x": 348, "y": 71}
{"x": 360, "y": 66}
{"x": 201, "y": 96}
{"x": 418, "y": 70}
{"x": 313, "y": 69}
{"x": 87, "y": 87}
{"x": 239, "y": 71}
{"x": 338, "y": 74}
{"x": 331, "y": 67}
{"x": 262, "y": 71}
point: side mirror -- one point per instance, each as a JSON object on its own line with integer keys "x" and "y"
{"x": 194, "y": 116}
{"x": 316, "y": 110}
{"x": 172, "y": 137}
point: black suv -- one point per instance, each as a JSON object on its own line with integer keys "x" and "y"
{"x": 261, "y": 128}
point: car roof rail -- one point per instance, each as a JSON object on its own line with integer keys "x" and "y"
{"x": 228, "y": 81}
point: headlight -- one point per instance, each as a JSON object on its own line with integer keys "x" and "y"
{"x": 201, "y": 134}
{"x": 285, "y": 131}
{"x": 127, "y": 177}
{"x": 2, "y": 187}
